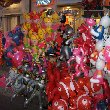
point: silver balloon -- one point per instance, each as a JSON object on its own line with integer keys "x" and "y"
{"x": 69, "y": 30}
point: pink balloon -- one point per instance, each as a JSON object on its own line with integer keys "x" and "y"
{"x": 8, "y": 42}
{"x": 90, "y": 21}
{"x": 17, "y": 57}
{"x": 21, "y": 47}
{"x": 107, "y": 53}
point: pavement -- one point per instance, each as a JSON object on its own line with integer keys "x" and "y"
{"x": 17, "y": 103}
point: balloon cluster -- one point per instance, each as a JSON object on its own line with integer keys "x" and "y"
{"x": 70, "y": 86}
{"x": 13, "y": 47}
{"x": 40, "y": 32}
{"x": 58, "y": 63}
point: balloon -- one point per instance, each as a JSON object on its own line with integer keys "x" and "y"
{"x": 20, "y": 47}
{"x": 10, "y": 34}
{"x": 49, "y": 12}
{"x": 99, "y": 45}
{"x": 16, "y": 39}
{"x": 90, "y": 21}
{"x": 68, "y": 30}
{"x": 60, "y": 105}
{"x": 107, "y": 53}
{"x": 105, "y": 21}
{"x": 17, "y": 57}
{"x": 79, "y": 56}
{"x": 7, "y": 43}
{"x": 63, "y": 19}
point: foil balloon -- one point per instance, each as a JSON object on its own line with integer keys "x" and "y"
{"x": 89, "y": 88}
{"x": 85, "y": 40}
{"x": 68, "y": 30}
{"x": 34, "y": 27}
{"x": 105, "y": 21}
{"x": 79, "y": 56}
{"x": 10, "y": 34}
{"x": 49, "y": 12}
{"x": 103, "y": 24}
{"x": 63, "y": 18}
{"x": 107, "y": 53}
{"x": 60, "y": 104}
{"x": 90, "y": 22}
{"x": 20, "y": 47}
{"x": 81, "y": 102}
{"x": 98, "y": 74}
{"x": 7, "y": 43}
{"x": 66, "y": 88}
{"x": 16, "y": 39}
{"x": 84, "y": 102}
{"x": 17, "y": 57}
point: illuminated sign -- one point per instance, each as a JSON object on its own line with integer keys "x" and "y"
{"x": 43, "y": 2}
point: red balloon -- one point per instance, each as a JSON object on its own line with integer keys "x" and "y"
{"x": 16, "y": 57}
{"x": 60, "y": 104}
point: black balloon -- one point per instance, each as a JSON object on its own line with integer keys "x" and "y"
{"x": 69, "y": 30}
{"x": 49, "y": 12}
{"x": 63, "y": 19}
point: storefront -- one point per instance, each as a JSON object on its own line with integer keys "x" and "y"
{"x": 13, "y": 15}
{"x": 72, "y": 10}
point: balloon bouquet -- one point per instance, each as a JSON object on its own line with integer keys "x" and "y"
{"x": 77, "y": 90}
{"x": 12, "y": 53}
{"x": 52, "y": 62}
{"x": 30, "y": 70}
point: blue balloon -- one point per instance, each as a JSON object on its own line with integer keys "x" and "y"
{"x": 3, "y": 41}
{"x": 10, "y": 34}
{"x": 16, "y": 39}
{"x": 101, "y": 36}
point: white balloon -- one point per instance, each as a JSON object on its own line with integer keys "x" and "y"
{"x": 107, "y": 42}
{"x": 105, "y": 21}
{"x": 99, "y": 45}
{"x": 100, "y": 64}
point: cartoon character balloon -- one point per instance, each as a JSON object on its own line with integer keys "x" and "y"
{"x": 98, "y": 32}
{"x": 79, "y": 55}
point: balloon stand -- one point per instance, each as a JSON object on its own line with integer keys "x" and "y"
{"x": 48, "y": 60}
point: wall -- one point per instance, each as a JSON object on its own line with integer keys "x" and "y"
{"x": 62, "y": 2}
{"x": 16, "y": 10}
